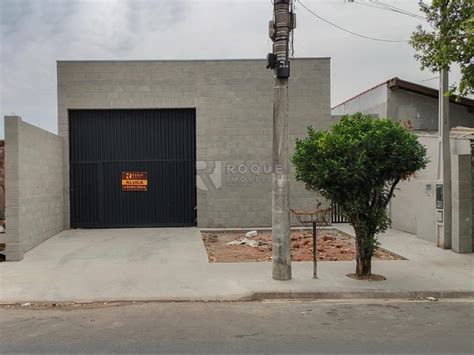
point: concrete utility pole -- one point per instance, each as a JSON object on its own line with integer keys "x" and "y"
{"x": 444, "y": 210}
{"x": 279, "y": 31}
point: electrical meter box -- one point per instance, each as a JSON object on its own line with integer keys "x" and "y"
{"x": 439, "y": 196}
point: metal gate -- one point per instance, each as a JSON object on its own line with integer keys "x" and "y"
{"x": 105, "y": 145}
{"x": 337, "y": 216}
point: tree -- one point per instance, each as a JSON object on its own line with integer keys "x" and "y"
{"x": 357, "y": 165}
{"x": 451, "y": 40}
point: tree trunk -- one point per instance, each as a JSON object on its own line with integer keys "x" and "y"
{"x": 363, "y": 257}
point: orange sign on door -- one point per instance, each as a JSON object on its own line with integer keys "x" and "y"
{"x": 134, "y": 181}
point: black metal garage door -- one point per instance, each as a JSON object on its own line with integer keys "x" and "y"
{"x": 106, "y": 144}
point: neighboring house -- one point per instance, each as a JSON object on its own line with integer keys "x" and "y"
{"x": 413, "y": 209}
{"x": 414, "y": 105}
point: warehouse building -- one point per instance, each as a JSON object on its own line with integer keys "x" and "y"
{"x": 156, "y": 143}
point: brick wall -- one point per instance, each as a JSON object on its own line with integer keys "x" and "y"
{"x": 234, "y": 104}
{"x": 34, "y": 186}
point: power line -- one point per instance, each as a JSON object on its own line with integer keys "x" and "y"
{"x": 346, "y": 30}
{"x": 379, "y": 6}
{"x": 389, "y": 7}
{"x": 397, "y": 9}
{"x": 436, "y": 77}
{"x": 382, "y": 6}
{"x": 368, "y": 4}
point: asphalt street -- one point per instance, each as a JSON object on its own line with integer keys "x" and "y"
{"x": 245, "y": 327}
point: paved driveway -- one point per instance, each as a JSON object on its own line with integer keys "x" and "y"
{"x": 116, "y": 263}
{"x": 171, "y": 264}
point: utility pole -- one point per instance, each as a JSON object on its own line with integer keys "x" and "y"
{"x": 443, "y": 189}
{"x": 443, "y": 193}
{"x": 279, "y": 30}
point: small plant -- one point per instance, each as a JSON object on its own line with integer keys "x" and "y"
{"x": 357, "y": 165}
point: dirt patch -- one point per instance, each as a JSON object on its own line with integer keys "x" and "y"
{"x": 332, "y": 245}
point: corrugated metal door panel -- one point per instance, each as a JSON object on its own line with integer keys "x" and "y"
{"x": 132, "y": 134}
{"x": 167, "y": 201}
{"x": 84, "y": 194}
{"x": 159, "y": 142}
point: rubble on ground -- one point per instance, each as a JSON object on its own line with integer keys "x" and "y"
{"x": 332, "y": 245}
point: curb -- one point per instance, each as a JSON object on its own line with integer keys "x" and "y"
{"x": 257, "y": 297}
{"x": 261, "y": 296}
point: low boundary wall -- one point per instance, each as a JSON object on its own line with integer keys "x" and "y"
{"x": 34, "y": 187}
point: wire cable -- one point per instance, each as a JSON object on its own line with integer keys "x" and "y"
{"x": 396, "y": 9}
{"x": 377, "y": 6}
{"x": 436, "y": 77}
{"x": 382, "y": 6}
{"x": 349, "y": 31}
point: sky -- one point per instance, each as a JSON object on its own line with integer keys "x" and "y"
{"x": 34, "y": 34}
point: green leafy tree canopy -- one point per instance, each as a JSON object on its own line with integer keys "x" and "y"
{"x": 357, "y": 165}
{"x": 450, "y": 40}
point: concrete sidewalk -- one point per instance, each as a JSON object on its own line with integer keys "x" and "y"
{"x": 171, "y": 264}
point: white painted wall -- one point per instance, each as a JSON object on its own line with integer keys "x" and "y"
{"x": 373, "y": 101}
{"x": 413, "y": 210}
{"x": 422, "y": 111}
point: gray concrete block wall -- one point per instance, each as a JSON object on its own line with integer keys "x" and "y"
{"x": 13, "y": 250}
{"x": 234, "y": 105}
{"x": 462, "y": 204}
{"x": 34, "y": 186}
{"x": 472, "y": 196}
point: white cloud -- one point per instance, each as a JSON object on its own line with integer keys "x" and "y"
{"x": 34, "y": 34}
